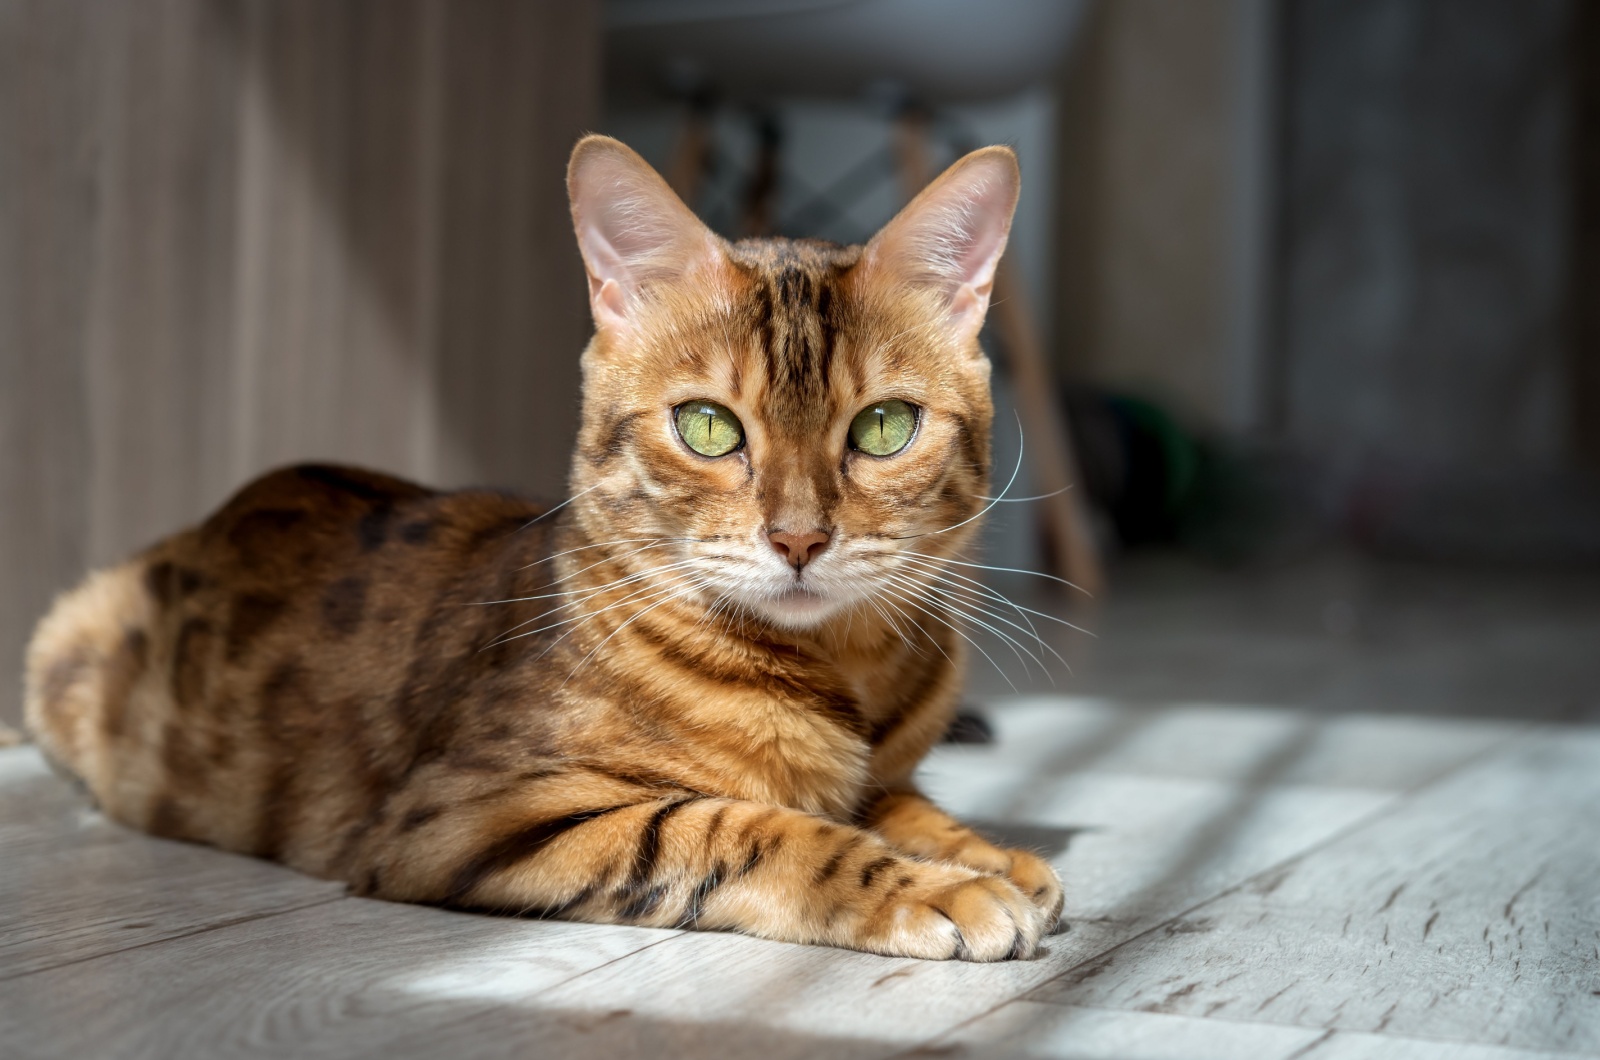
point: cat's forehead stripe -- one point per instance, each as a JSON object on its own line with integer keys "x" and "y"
{"x": 790, "y": 305}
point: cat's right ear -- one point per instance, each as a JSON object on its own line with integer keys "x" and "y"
{"x": 633, "y": 231}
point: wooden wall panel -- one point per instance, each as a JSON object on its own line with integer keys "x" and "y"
{"x": 235, "y": 233}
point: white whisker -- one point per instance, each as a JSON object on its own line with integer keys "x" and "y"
{"x": 1021, "y": 444}
{"x": 1007, "y": 570}
{"x": 958, "y": 630}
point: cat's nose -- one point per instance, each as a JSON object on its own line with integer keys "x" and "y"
{"x": 798, "y": 549}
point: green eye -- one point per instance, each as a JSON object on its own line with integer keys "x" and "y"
{"x": 883, "y": 429}
{"x": 708, "y": 428}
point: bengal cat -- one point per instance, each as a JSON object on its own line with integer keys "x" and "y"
{"x": 693, "y": 696}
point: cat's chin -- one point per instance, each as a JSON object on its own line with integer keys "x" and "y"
{"x": 797, "y": 608}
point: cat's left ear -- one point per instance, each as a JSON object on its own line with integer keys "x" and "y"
{"x": 950, "y": 237}
{"x": 633, "y": 230}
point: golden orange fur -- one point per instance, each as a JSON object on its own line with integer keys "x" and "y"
{"x": 639, "y": 707}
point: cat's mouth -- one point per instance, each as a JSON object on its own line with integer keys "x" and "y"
{"x": 799, "y": 596}
{"x": 798, "y": 604}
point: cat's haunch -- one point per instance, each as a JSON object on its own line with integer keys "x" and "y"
{"x": 693, "y": 695}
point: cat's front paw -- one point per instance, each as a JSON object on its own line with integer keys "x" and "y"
{"x": 1032, "y": 875}
{"x": 958, "y": 915}
{"x": 1038, "y": 879}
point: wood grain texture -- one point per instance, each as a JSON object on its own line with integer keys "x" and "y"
{"x": 351, "y": 977}
{"x": 1465, "y": 915}
{"x": 1029, "y": 1028}
{"x": 1069, "y": 1032}
{"x": 236, "y": 233}
{"x": 1204, "y": 877}
{"x": 1056, "y": 736}
{"x": 1134, "y": 852}
{"x": 76, "y": 902}
{"x": 77, "y": 886}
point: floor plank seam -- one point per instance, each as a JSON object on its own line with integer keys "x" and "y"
{"x": 475, "y": 1017}
{"x": 1388, "y": 808}
{"x": 4, "y": 978}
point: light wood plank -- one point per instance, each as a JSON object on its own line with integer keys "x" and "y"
{"x": 1139, "y": 849}
{"x": 31, "y": 793}
{"x": 41, "y": 812}
{"x": 73, "y": 900}
{"x": 1133, "y": 867}
{"x": 1467, "y": 915}
{"x": 1054, "y": 735}
{"x": 74, "y": 885}
{"x": 1347, "y": 1045}
{"x": 1032, "y": 1029}
{"x": 1070, "y": 1032}
{"x": 1136, "y": 848}
{"x": 348, "y": 977}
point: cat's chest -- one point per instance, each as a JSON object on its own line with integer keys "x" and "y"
{"x": 785, "y": 752}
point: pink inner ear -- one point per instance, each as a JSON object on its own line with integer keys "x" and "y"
{"x": 632, "y": 230}
{"x": 952, "y": 235}
{"x": 985, "y": 224}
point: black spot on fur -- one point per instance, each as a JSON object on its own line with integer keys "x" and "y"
{"x": 189, "y": 665}
{"x": 344, "y": 604}
{"x": 160, "y": 581}
{"x": 124, "y": 669}
{"x": 417, "y": 533}
{"x": 368, "y": 488}
{"x": 499, "y": 529}
{"x": 415, "y": 819}
{"x": 830, "y": 868}
{"x": 373, "y": 530}
{"x": 252, "y": 615}
{"x": 871, "y": 870}
{"x": 168, "y": 583}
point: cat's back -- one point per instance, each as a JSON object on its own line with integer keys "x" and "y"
{"x": 315, "y": 622}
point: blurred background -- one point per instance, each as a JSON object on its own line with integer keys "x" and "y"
{"x": 1304, "y": 294}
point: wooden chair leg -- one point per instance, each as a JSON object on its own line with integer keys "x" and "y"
{"x": 760, "y": 197}
{"x": 1050, "y": 450}
{"x": 1044, "y": 423}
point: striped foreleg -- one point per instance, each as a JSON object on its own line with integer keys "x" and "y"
{"x": 692, "y": 861}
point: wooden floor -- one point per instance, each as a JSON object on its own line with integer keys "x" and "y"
{"x": 1241, "y": 883}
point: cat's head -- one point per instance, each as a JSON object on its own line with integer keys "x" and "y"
{"x": 779, "y": 426}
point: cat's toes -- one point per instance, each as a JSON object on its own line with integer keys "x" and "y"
{"x": 980, "y": 918}
{"x": 1038, "y": 879}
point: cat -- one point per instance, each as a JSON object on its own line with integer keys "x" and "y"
{"x": 691, "y": 696}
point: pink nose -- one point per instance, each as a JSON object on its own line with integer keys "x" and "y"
{"x": 798, "y": 549}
